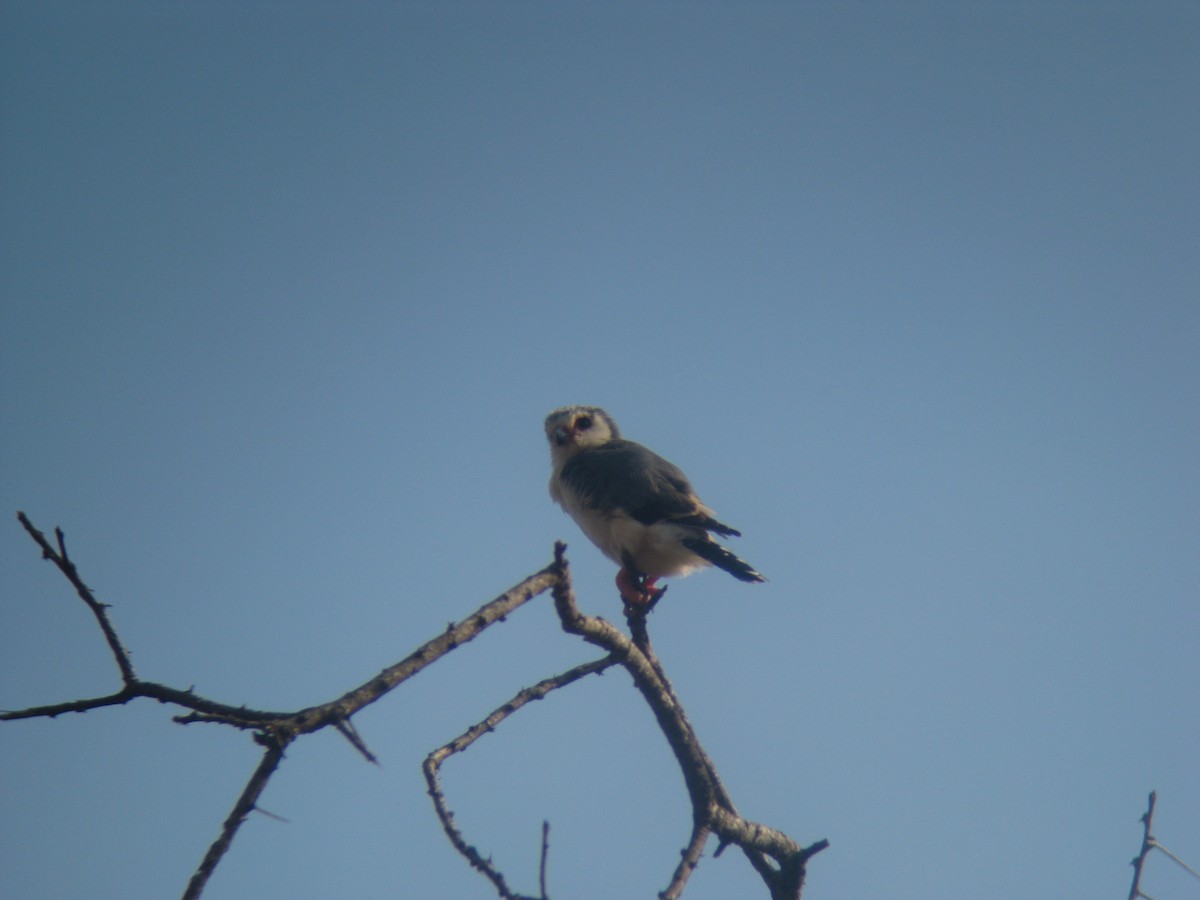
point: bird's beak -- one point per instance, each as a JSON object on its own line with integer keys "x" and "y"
{"x": 561, "y": 435}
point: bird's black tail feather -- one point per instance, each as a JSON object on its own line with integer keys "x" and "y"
{"x": 708, "y": 523}
{"x": 721, "y": 558}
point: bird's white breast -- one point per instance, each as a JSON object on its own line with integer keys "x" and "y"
{"x": 655, "y": 549}
{"x": 595, "y": 523}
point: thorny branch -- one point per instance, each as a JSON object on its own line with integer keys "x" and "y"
{"x": 1135, "y": 890}
{"x": 246, "y": 804}
{"x": 59, "y": 558}
{"x": 779, "y": 860}
{"x": 711, "y": 806}
{"x": 433, "y": 763}
{"x": 1150, "y": 842}
{"x": 274, "y": 730}
{"x": 542, "y": 863}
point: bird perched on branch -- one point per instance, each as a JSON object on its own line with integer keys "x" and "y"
{"x": 639, "y": 509}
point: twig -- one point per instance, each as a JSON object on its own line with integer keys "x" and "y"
{"x": 289, "y": 724}
{"x": 433, "y": 762}
{"x": 455, "y": 635}
{"x": 542, "y": 863}
{"x": 244, "y": 806}
{"x": 99, "y": 610}
{"x": 204, "y": 710}
{"x": 689, "y": 861}
{"x": 1179, "y": 862}
{"x": 1139, "y": 861}
{"x": 76, "y": 706}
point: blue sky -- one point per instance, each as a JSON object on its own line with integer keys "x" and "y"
{"x": 911, "y": 291}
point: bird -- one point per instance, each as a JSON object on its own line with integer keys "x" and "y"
{"x": 639, "y": 509}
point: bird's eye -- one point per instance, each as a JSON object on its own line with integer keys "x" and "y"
{"x": 583, "y": 423}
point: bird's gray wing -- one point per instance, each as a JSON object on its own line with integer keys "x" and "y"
{"x": 625, "y": 475}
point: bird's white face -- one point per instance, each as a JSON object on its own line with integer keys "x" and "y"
{"x": 573, "y": 428}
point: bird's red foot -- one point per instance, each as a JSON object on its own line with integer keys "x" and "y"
{"x": 637, "y": 590}
{"x": 653, "y": 593}
{"x": 630, "y": 587}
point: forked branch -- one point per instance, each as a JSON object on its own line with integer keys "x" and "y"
{"x": 433, "y": 764}
{"x": 711, "y": 806}
{"x": 274, "y": 730}
{"x": 779, "y": 860}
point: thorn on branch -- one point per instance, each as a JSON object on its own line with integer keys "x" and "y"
{"x": 246, "y": 803}
{"x": 347, "y": 730}
{"x": 271, "y": 815}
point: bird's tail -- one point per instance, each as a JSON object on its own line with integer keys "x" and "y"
{"x": 714, "y": 553}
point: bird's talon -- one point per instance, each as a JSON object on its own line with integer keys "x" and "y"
{"x": 639, "y": 592}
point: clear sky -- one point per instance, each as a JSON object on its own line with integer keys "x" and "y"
{"x": 911, "y": 291}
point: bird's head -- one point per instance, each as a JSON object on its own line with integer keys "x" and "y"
{"x": 572, "y": 428}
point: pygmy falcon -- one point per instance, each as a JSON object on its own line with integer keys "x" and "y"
{"x": 639, "y": 509}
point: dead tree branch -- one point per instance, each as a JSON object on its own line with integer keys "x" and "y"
{"x": 99, "y": 610}
{"x": 1150, "y": 842}
{"x": 245, "y": 805}
{"x": 711, "y": 807}
{"x": 281, "y": 724}
{"x": 274, "y": 730}
{"x": 779, "y": 860}
{"x": 1135, "y": 889}
{"x": 433, "y": 763}
{"x": 542, "y": 862}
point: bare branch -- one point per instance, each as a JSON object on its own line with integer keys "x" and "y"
{"x": 1149, "y": 842}
{"x": 542, "y": 864}
{"x": 273, "y": 729}
{"x": 779, "y": 860}
{"x": 711, "y": 805}
{"x": 75, "y": 706}
{"x": 203, "y": 709}
{"x": 1139, "y": 861}
{"x": 455, "y": 635}
{"x": 1179, "y": 862}
{"x": 690, "y": 859}
{"x": 290, "y": 723}
{"x": 243, "y": 807}
{"x": 99, "y": 610}
{"x": 432, "y": 765}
